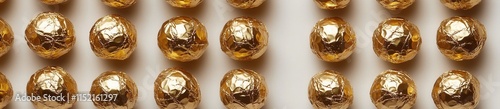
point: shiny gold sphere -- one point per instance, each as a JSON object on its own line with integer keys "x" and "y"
{"x": 176, "y": 88}
{"x": 461, "y": 38}
{"x": 332, "y": 39}
{"x": 119, "y": 3}
{"x": 396, "y": 40}
{"x": 119, "y": 88}
{"x": 52, "y": 2}
{"x": 6, "y": 92}
{"x": 183, "y": 39}
{"x": 460, "y": 4}
{"x": 50, "y": 35}
{"x": 113, "y": 37}
{"x": 393, "y": 89}
{"x": 245, "y": 4}
{"x": 244, "y": 38}
{"x": 330, "y": 90}
{"x": 332, "y": 4}
{"x": 55, "y": 82}
{"x": 6, "y": 37}
{"x": 396, "y": 4}
{"x": 184, "y": 3}
{"x": 456, "y": 89}
{"x": 243, "y": 89}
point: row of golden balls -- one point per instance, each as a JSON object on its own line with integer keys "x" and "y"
{"x": 242, "y": 89}
{"x": 51, "y": 35}
{"x": 324, "y": 4}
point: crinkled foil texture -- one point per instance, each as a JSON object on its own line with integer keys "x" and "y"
{"x": 330, "y": 90}
{"x": 183, "y": 39}
{"x": 396, "y": 40}
{"x": 116, "y": 84}
{"x": 244, "y": 38}
{"x": 243, "y": 89}
{"x": 184, "y": 3}
{"x": 245, "y": 4}
{"x": 460, "y": 4}
{"x": 393, "y": 89}
{"x": 461, "y": 38}
{"x": 332, "y": 4}
{"x": 52, "y": 81}
{"x": 113, "y": 37}
{"x": 6, "y": 37}
{"x": 176, "y": 88}
{"x": 456, "y": 89}
{"x": 332, "y": 39}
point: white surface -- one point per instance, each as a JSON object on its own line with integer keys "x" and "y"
{"x": 287, "y": 65}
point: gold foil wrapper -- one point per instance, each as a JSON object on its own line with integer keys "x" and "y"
{"x": 55, "y": 88}
{"x": 119, "y": 3}
{"x": 115, "y": 89}
{"x": 244, "y": 38}
{"x": 396, "y": 40}
{"x": 6, "y": 93}
{"x": 50, "y": 35}
{"x": 52, "y": 2}
{"x": 456, "y": 89}
{"x": 332, "y": 4}
{"x": 393, "y": 89}
{"x": 330, "y": 90}
{"x": 113, "y": 37}
{"x": 245, "y": 4}
{"x": 176, "y": 88}
{"x": 183, "y": 39}
{"x": 243, "y": 89}
{"x": 332, "y": 39}
{"x": 184, "y": 3}
{"x": 460, "y": 4}
{"x": 396, "y": 4}
{"x": 6, "y": 37}
{"x": 461, "y": 38}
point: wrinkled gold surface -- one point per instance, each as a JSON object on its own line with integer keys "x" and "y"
{"x": 396, "y": 40}
{"x": 50, "y": 35}
{"x": 393, "y": 89}
{"x": 52, "y": 81}
{"x": 396, "y": 4}
{"x": 243, "y": 89}
{"x": 330, "y": 90}
{"x": 116, "y": 84}
{"x": 176, "y": 88}
{"x": 332, "y": 39}
{"x": 52, "y": 2}
{"x": 244, "y": 38}
{"x": 6, "y": 92}
{"x": 184, "y": 3}
{"x": 245, "y": 4}
{"x": 183, "y": 39}
{"x": 332, "y": 4}
{"x": 119, "y": 3}
{"x": 460, "y": 4}
{"x": 461, "y": 38}
{"x": 456, "y": 89}
{"x": 113, "y": 37}
{"x": 6, "y": 37}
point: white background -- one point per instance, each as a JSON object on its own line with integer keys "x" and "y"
{"x": 287, "y": 65}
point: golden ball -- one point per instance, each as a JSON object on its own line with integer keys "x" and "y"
{"x": 244, "y": 38}
{"x": 119, "y": 3}
{"x": 330, "y": 90}
{"x": 332, "y": 4}
{"x": 6, "y": 37}
{"x": 243, "y": 89}
{"x": 6, "y": 92}
{"x": 52, "y": 2}
{"x": 175, "y": 88}
{"x": 396, "y": 40}
{"x": 396, "y": 4}
{"x": 183, "y": 39}
{"x": 50, "y": 35}
{"x": 456, "y": 89}
{"x": 55, "y": 82}
{"x": 245, "y": 4}
{"x": 460, "y": 4}
{"x": 184, "y": 3}
{"x": 393, "y": 89}
{"x": 113, "y": 37}
{"x": 332, "y": 39}
{"x": 461, "y": 38}
{"x": 114, "y": 90}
